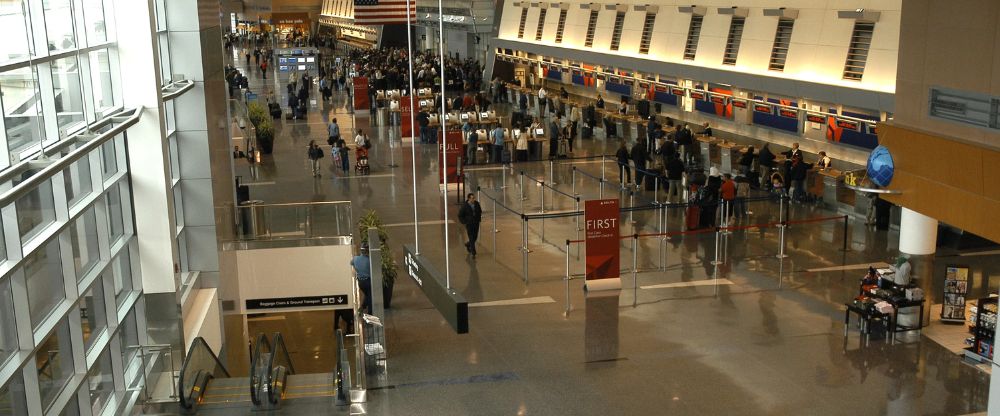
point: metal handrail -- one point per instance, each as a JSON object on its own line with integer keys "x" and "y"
{"x": 131, "y": 116}
{"x": 292, "y": 204}
{"x": 255, "y": 380}
{"x": 198, "y": 342}
{"x": 279, "y": 347}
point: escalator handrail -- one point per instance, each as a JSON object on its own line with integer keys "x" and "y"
{"x": 262, "y": 342}
{"x": 199, "y": 342}
{"x": 279, "y": 347}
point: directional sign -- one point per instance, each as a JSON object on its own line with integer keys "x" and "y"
{"x": 297, "y": 302}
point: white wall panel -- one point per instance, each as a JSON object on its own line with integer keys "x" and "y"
{"x": 197, "y": 202}
{"x": 182, "y": 61}
{"x": 712, "y": 42}
{"x": 192, "y": 148}
{"x": 190, "y": 108}
{"x": 202, "y": 250}
{"x": 632, "y": 31}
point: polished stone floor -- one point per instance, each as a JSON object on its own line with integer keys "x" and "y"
{"x": 754, "y": 335}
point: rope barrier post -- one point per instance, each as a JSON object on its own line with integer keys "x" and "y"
{"x": 845, "y": 248}
{"x": 574, "y": 180}
{"x": 524, "y": 248}
{"x": 781, "y": 241}
{"x": 727, "y": 206}
{"x": 503, "y": 178}
{"x": 718, "y": 232}
{"x": 662, "y": 222}
{"x": 603, "y": 159}
{"x": 635, "y": 284}
{"x": 601, "y": 194}
{"x": 656, "y": 189}
{"x": 631, "y": 213}
{"x": 541, "y": 191}
{"x": 567, "y": 278}
{"x": 495, "y": 229}
{"x": 577, "y": 216}
{"x": 552, "y": 178}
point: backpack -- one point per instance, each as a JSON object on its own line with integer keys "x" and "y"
{"x": 368, "y": 143}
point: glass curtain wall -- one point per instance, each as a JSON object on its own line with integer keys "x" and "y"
{"x": 70, "y": 286}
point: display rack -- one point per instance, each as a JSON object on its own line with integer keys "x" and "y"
{"x": 984, "y": 330}
{"x": 956, "y": 286}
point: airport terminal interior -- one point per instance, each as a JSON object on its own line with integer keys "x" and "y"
{"x": 511, "y": 207}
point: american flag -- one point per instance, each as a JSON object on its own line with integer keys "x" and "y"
{"x": 383, "y": 12}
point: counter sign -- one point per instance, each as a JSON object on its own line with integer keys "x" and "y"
{"x": 602, "y": 239}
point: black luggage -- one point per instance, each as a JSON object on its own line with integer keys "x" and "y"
{"x": 650, "y": 182}
{"x": 588, "y": 132}
{"x": 505, "y": 156}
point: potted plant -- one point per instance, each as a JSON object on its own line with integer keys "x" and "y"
{"x": 370, "y": 219}
{"x": 262, "y": 123}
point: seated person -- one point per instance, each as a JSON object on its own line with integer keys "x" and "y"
{"x": 824, "y": 162}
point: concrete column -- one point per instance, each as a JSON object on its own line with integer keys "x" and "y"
{"x": 917, "y": 233}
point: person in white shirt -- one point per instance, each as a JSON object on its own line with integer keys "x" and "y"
{"x": 824, "y": 161}
{"x": 522, "y": 146}
{"x": 361, "y": 140}
{"x": 541, "y": 100}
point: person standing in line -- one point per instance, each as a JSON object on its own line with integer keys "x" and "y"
{"x": 825, "y": 162}
{"x": 574, "y": 121}
{"x": 728, "y": 193}
{"x": 522, "y": 146}
{"x": 624, "y": 171}
{"x": 498, "y": 137}
{"x": 554, "y": 132}
{"x": 675, "y": 175}
{"x": 314, "y": 154}
{"x": 639, "y": 158}
{"x": 470, "y": 215}
{"x": 362, "y": 265}
{"x": 541, "y": 101}
{"x": 797, "y": 173}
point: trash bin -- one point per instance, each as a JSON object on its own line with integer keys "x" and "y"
{"x": 251, "y": 219}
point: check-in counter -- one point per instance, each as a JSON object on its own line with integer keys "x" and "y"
{"x": 726, "y": 152}
{"x": 535, "y": 144}
{"x": 826, "y": 186}
{"x": 704, "y": 147}
{"x": 636, "y": 127}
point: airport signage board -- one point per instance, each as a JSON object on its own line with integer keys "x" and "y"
{"x": 602, "y": 244}
{"x": 451, "y": 305}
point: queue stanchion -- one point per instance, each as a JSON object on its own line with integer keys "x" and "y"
{"x": 726, "y": 207}
{"x": 552, "y": 179}
{"x": 577, "y": 209}
{"x": 603, "y": 159}
{"x": 574, "y": 180}
{"x": 635, "y": 265}
{"x": 495, "y": 229}
{"x": 656, "y": 189}
{"x": 524, "y": 247}
{"x": 541, "y": 191}
{"x": 521, "y": 191}
{"x": 503, "y": 178}
{"x": 566, "y": 280}
{"x": 845, "y": 248}
{"x": 601, "y": 194}
{"x": 662, "y": 224}
{"x": 631, "y": 212}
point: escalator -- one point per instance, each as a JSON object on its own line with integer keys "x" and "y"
{"x": 207, "y": 388}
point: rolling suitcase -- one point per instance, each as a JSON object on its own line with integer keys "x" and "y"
{"x": 505, "y": 156}
{"x": 563, "y": 148}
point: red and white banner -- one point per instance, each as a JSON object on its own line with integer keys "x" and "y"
{"x": 453, "y": 146}
{"x": 406, "y": 105}
{"x": 603, "y": 254}
{"x": 361, "y": 99}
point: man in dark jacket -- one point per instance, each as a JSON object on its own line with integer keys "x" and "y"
{"x": 675, "y": 174}
{"x": 471, "y": 214}
{"x": 554, "y": 132}
{"x": 624, "y": 171}
{"x": 639, "y": 158}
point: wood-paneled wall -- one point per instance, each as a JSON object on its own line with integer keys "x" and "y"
{"x": 954, "y": 182}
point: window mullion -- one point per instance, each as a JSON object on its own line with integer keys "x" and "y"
{"x": 46, "y": 92}
{"x": 85, "y": 74}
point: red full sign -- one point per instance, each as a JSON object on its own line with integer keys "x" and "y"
{"x": 603, "y": 256}
{"x": 361, "y": 102}
{"x": 453, "y": 146}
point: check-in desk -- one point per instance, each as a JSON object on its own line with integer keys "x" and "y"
{"x": 704, "y": 150}
{"x": 826, "y": 184}
{"x": 727, "y": 151}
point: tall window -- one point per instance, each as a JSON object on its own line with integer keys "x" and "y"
{"x": 524, "y": 20}
{"x": 857, "y": 53}
{"x": 782, "y": 38}
{"x": 591, "y": 26}
{"x": 616, "y": 35}
{"x": 561, "y": 26}
{"x": 647, "y": 33}
{"x": 733, "y": 41}
{"x": 694, "y": 32}
{"x": 541, "y": 24}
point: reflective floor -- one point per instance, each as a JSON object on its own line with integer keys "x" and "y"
{"x": 754, "y": 335}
